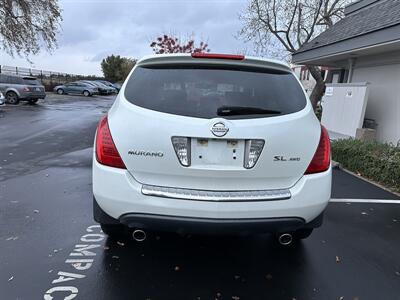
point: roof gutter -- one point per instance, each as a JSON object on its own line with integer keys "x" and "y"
{"x": 308, "y": 60}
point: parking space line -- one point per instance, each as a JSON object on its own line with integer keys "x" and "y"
{"x": 38, "y": 134}
{"x": 379, "y": 201}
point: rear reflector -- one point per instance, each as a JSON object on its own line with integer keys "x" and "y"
{"x": 182, "y": 149}
{"x": 252, "y": 151}
{"x": 322, "y": 157}
{"x": 106, "y": 152}
{"x": 217, "y": 56}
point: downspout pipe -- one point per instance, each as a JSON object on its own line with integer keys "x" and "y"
{"x": 352, "y": 62}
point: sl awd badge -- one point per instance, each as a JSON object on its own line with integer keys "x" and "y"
{"x": 219, "y": 129}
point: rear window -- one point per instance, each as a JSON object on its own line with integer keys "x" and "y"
{"x": 199, "y": 91}
{"x": 14, "y": 80}
{"x": 31, "y": 81}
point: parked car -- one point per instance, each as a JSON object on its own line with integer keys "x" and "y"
{"x": 109, "y": 85}
{"x": 2, "y": 99}
{"x": 103, "y": 89}
{"x": 211, "y": 143}
{"x": 117, "y": 86}
{"x": 113, "y": 85}
{"x": 17, "y": 88}
{"x": 79, "y": 88}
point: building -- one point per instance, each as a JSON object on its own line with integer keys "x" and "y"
{"x": 306, "y": 78}
{"x": 364, "y": 47}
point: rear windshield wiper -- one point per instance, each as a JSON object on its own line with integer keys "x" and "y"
{"x": 243, "y": 110}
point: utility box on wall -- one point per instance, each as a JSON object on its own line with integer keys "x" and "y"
{"x": 343, "y": 107}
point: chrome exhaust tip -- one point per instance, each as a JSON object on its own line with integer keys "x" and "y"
{"x": 139, "y": 235}
{"x": 285, "y": 239}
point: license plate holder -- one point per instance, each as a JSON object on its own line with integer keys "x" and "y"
{"x": 217, "y": 152}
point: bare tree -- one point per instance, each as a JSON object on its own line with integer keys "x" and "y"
{"x": 26, "y": 25}
{"x": 280, "y": 27}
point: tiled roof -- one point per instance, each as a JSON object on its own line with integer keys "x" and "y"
{"x": 381, "y": 15}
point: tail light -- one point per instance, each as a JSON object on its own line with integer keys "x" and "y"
{"x": 253, "y": 149}
{"x": 217, "y": 56}
{"x": 106, "y": 152}
{"x": 182, "y": 149}
{"x": 322, "y": 157}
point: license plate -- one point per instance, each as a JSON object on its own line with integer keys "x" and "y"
{"x": 38, "y": 89}
{"x": 221, "y": 152}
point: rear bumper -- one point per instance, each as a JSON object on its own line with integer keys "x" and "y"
{"x": 205, "y": 225}
{"x": 210, "y": 226}
{"x": 119, "y": 196}
{"x": 32, "y": 95}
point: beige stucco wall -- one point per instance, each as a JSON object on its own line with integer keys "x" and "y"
{"x": 384, "y": 96}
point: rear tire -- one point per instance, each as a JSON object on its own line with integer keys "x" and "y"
{"x": 33, "y": 101}
{"x": 303, "y": 233}
{"x": 113, "y": 230}
{"x": 12, "y": 98}
{"x": 60, "y": 91}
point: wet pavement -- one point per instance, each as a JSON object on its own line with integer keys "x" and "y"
{"x": 50, "y": 247}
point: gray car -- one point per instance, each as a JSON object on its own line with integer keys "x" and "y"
{"x": 2, "y": 99}
{"x": 16, "y": 88}
{"x": 80, "y": 88}
{"x": 112, "y": 88}
{"x": 103, "y": 89}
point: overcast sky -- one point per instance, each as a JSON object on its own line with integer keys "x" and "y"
{"x": 93, "y": 29}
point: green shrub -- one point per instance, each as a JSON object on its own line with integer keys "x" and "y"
{"x": 378, "y": 162}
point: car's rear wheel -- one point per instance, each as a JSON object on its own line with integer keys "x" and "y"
{"x": 113, "y": 230}
{"x": 33, "y": 101}
{"x": 12, "y": 98}
{"x": 86, "y": 93}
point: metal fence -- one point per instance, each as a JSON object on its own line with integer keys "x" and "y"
{"x": 48, "y": 78}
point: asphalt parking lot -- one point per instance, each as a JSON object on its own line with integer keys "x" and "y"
{"x": 50, "y": 247}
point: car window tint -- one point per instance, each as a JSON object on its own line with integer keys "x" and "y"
{"x": 199, "y": 91}
{"x": 15, "y": 80}
{"x": 31, "y": 81}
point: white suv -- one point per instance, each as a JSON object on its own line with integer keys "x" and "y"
{"x": 211, "y": 143}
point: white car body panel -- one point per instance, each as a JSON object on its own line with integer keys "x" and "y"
{"x": 118, "y": 193}
{"x": 152, "y": 131}
{"x": 133, "y": 128}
